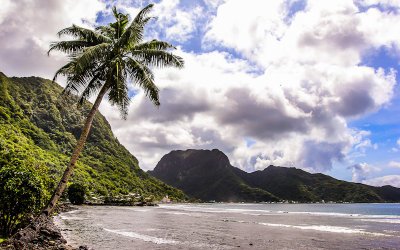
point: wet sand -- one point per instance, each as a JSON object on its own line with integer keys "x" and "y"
{"x": 210, "y": 227}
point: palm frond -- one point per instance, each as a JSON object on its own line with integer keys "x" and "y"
{"x": 158, "y": 58}
{"x": 64, "y": 70}
{"x": 134, "y": 33}
{"x": 92, "y": 55}
{"x": 119, "y": 90}
{"x": 153, "y": 45}
{"x": 69, "y": 47}
{"x": 106, "y": 30}
{"x": 84, "y": 34}
{"x": 141, "y": 16}
{"x": 93, "y": 86}
{"x": 142, "y": 76}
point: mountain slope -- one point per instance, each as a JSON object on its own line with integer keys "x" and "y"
{"x": 299, "y": 185}
{"x": 32, "y": 111}
{"x": 206, "y": 175}
{"x": 202, "y": 173}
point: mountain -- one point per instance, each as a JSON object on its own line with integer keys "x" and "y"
{"x": 35, "y": 120}
{"x": 208, "y": 175}
{"x": 296, "y": 184}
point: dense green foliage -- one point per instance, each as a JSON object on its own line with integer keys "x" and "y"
{"x": 21, "y": 193}
{"x": 76, "y": 193}
{"x": 208, "y": 175}
{"x": 34, "y": 120}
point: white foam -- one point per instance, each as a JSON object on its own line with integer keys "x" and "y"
{"x": 179, "y": 213}
{"x": 392, "y": 221}
{"x": 259, "y": 212}
{"x": 71, "y": 212}
{"x": 324, "y": 228}
{"x": 135, "y": 209}
{"x": 143, "y": 237}
{"x": 70, "y": 217}
{"x": 159, "y": 241}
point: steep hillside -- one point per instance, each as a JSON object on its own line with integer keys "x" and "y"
{"x": 36, "y": 120}
{"x": 206, "y": 175}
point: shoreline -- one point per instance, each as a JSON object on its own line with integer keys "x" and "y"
{"x": 225, "y": 227}
{"x": 50, "y": 235}
{"x": 260, "y": 228}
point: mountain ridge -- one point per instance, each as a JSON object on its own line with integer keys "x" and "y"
{"x": 280, "y": 182}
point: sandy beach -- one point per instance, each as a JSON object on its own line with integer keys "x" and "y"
{"x": 225, "y": 227}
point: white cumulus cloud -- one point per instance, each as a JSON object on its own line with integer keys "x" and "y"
{"x": 393, "y": 180}
{"x": 362, "y": 171}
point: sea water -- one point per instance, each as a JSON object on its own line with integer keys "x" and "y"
{"x": 234, "y": 225}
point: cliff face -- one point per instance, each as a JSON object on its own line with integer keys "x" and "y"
{"x": 208, "y": 175}
{"x": 33, "y": 112}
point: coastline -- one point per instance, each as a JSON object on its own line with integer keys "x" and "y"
{"x": 230, "y": 226}
{"x": 50, "y": 235}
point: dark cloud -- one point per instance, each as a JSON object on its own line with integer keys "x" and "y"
{"x": 176, "y": 105}
{"x": 31, "y": 61}
{"x": 319, "y": 156}
{"x": 355, "y": 98}
{"x": 259, "y": 120}
{"x": 340, "y": 34}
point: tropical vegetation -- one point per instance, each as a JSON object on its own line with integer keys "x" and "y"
{"x": 38, "y": 132}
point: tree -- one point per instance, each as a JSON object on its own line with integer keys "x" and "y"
{"x": 21, "y": 193}
{"x": 104, "y": 60}
{"x": 76, "y": 194}
{"x": 23, "y": 179}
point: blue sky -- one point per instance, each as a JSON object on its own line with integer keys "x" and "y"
{"x": 308, "y": 84}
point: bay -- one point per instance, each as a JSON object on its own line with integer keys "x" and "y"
{"x": 234, "y": 226}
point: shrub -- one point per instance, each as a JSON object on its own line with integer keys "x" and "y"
{"x": 21, "y": 193}
{"x": 76, "y": 193}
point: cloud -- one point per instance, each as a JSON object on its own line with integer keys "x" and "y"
{"x": 361, "y": 171}
{"x": 394, "y": 164}
{"x": 393, "y": 180}
{"x": 289, "y": 79}
{"x": 28, "y": 27}
{"x": 291, "y": 92}
{"x": 174, "y": 23}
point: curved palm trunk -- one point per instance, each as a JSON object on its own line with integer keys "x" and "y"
{"x": 27, "y": 234}
{"x": 68, "y": 171}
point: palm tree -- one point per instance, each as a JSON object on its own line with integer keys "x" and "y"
{"x": 104, "y": 60}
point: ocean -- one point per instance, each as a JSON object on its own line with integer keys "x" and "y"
{"x": 234, "y": 226}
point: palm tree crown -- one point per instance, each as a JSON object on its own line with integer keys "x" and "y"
{"x": 110, "y": 56}
{"x": 103, "y": 61}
